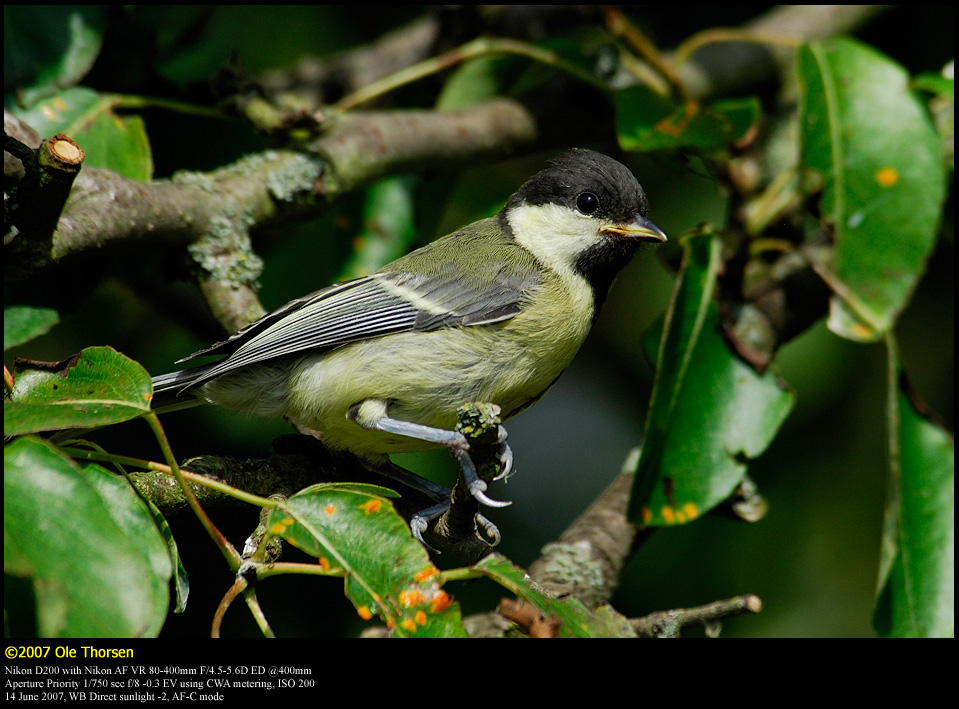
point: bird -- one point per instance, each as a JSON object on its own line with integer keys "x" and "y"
{"x": 493, "y": 312}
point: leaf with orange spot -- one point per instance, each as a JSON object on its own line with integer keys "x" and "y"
{"x": 440, "y": 602}
{"x": 96, "y": 387}
{"x": 710, "y": 412}
{"x": 110, "y": 140}
{"x": 883, "y": 182}
{"x": 426, "y": 574}
{"x": 387, "y": 572}
{"x": 412, "y": 598}
{"x": 371, "y": 506}
{"x": 647, "y": 122}
{"x": 887, "y": 176}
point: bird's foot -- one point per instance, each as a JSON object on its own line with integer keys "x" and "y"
{"x": 422, "y": 520}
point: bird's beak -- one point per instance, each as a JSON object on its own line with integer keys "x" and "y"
{"x": 640, "y": 229}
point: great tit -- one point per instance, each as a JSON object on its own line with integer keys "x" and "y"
{"x": 493, "y": 312}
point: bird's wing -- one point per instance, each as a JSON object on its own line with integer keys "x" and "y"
{"x": 376, "y": 305}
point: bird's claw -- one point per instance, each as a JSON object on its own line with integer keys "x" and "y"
{"x": 489, "y": 529}
{"x": 505, "y": 457}
{"x": 421, "y": 522}
{"x": 477, "y": 489}
{"x": 474, "y": 483}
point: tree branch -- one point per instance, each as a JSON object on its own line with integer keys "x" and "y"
{"x": 588, "y": 558}
{"x": 364, "y": 146}
{"x": 271, "y": 187}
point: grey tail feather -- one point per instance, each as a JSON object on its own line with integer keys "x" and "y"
{"x": 171, "y": 391}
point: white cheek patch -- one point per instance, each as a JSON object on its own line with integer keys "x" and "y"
{"x": 554, "y": 234}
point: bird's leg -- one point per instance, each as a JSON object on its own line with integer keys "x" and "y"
{"x": 426, "y": 487}
{"x": 372, "y": 415}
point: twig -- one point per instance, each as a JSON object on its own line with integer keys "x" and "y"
{"x": 471, "y": 50}
{"x": 222, "y": 543}
{"x": 620, "y": 27}
{"x": 669, "y": 624}
{"x": 730, "y": 34}
{"x": 49, "y": 173}
{"x": 321, "y": 80}
{"x": 529, "y": 619}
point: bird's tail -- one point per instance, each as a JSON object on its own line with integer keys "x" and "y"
{"x": 171, "y": 391}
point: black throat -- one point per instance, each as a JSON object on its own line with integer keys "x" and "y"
{"x": 600, "y": 265}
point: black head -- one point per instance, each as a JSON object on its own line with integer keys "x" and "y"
{"x": 589, "y": 182}
{"x": 586, "y": 213}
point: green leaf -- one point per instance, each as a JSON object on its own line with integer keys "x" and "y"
{"x": 513, "y": 71}
{"x": 181, "y": 581}
{"x": 139, "y": 524}
{"x": 110, "y": 140}
{"x": 478, "y": 80}
{"x": 879, "y": 157}
{"x": 935, "y": 84}
{"x": 48, "y": 47}
{"x": 917, "y": 582}
{"x": 87, "y": 543}
{"x": 22, "y": 323}
{"x": 389, "y": 227}
{"x": 97, "y": 387}
{"x": 354, "y": 529}
{"x": 710, "y": 411}
{"x": 639, "y": 110}
{"x": 646, "y": 122}
{"x": 576, "y": 621}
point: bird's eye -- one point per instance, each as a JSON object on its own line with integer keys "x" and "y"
{"x": 587, "y": 203}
